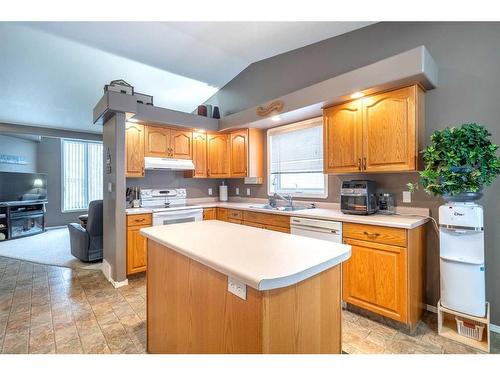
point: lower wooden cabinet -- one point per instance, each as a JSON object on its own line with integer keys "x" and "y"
{"x": 278, "y": 223}
{"x": 221, "y": 214}
{"x": 137, "y": 244}
{"x": 209, "y": 213}
{"x": 375, "y": 278}
{"x": 384, "y": 278}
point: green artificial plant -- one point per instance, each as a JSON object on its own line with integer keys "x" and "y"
{"x": 459, "y": 159}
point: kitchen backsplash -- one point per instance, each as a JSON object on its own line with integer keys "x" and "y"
{"x": 196, "y": 188}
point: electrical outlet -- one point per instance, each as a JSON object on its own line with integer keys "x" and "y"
{"x": 406, "y": 197}
{"x": 237, "y": 191}
{"x": 236, "y": 287}
{"x": 248, "y": 191}
{"x": 210, "y": 191}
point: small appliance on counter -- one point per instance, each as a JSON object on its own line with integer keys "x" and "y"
{"x": 133, "y": 196}
{"x": 223, "y": 192}
{"x": 386, "y": 204}
{"x": 358, "y": 197}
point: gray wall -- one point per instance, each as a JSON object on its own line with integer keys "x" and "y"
{"x": 18, "y": 147}
{"x": 468, "y": 56}
{"x": 196, "y": 188}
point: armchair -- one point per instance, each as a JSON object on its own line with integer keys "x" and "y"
{"x": 87, "y": 243}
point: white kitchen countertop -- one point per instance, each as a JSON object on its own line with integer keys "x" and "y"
{"x": 262, "y": 259}
{"x": 396, "y": 221}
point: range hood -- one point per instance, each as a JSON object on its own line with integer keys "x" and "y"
{"x": 168, "y": 164}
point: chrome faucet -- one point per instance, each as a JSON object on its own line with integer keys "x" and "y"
{"x": 286, "y": 197}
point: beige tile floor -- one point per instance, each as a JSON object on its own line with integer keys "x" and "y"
{"x": 49, "y": 309}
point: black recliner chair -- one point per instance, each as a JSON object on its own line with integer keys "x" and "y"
{"x": 87, "y": 243}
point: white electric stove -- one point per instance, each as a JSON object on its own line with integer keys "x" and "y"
{"x": 169, "y": 206}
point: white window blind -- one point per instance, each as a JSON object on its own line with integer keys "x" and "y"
{"x": 81, "y": 173}
{"x": 295, "y": 160}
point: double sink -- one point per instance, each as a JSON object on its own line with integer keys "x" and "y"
{"x": 282, "y": 208}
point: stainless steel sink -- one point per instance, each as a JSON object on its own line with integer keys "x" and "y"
{"x": 281, "y": 208}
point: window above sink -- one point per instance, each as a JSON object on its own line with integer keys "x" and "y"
{"x": 295, "y": 160}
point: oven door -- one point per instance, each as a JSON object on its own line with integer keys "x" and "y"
{"x": 175, "y": 217}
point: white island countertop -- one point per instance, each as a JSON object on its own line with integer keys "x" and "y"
{"x": 262, "y": 259}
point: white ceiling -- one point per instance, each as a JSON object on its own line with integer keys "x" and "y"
{"x": 52, "y": 74}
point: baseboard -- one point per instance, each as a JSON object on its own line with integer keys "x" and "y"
{"x": 431, "y": 308}
{"x": 106, "y": 270}
{"x": 494, "y": 328}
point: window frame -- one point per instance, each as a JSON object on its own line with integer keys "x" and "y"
{"x": 290, "y": 128}
{"x": 63, "y": 210}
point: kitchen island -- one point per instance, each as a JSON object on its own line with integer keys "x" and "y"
{"x": 285, "y": 290}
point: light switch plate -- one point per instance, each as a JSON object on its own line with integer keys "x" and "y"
{"x": 236, "y": 287}
{"x": 210, "y": 191}
{"x": 248, "y": 191}
{"x": 237, "y": 191}
{"x": 406, "y": 197}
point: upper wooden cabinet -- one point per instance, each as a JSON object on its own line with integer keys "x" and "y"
{"x": 378, "y": 133}
{"x": 238, "y": 143}
{"x": 199, "y": 156}
{"x": 157, "y": 141}
{"x": 218, "y": 156}
{"x": 247, "y": 153}
{"x": 181, "y": 144}
{"x": 168, "y": 143}
{"x": 342, "y": 138}
{"x": 134, "y": 150}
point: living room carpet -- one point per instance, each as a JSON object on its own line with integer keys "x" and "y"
{"x": 51, "y": 247}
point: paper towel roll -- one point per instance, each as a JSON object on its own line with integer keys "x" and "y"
{"x": 223, "y": 193}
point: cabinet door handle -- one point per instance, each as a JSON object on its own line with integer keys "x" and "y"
{"x": 364, "y": 163}
{"x": 359, "y": 164}
{"x": 371, "y": 234}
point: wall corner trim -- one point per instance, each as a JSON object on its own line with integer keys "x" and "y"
{"x": 106, "y": 270}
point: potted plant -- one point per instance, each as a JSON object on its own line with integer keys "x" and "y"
{"x": 458, "y": 162}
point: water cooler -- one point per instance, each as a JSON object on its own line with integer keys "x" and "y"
{"x": 461, "y": 241}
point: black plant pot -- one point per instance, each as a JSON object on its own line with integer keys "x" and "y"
{"x": 466, "y": 196}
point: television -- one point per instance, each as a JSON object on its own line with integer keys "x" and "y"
{"x": 16, "y": 186}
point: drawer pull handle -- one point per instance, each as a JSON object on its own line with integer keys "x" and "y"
{"x": 371, "y": 234}
{"x": 140, "y": 220}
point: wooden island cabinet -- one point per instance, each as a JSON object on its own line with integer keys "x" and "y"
{"x": 193, "y": 307}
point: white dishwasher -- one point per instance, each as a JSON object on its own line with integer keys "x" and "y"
{"x": 316, "y": 228}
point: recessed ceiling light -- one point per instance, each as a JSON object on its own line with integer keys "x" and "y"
{"x": 133, "y": 120}
{"x": 275, "y": 118}
{"x": 357, "y": 94}
{"x": 200, "y": 130}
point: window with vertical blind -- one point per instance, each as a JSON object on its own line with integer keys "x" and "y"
{"x": 81, "y": 173}
{"x": 295, "y": 160}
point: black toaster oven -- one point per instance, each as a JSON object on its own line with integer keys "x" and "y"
{"x": 358, "y": 197}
